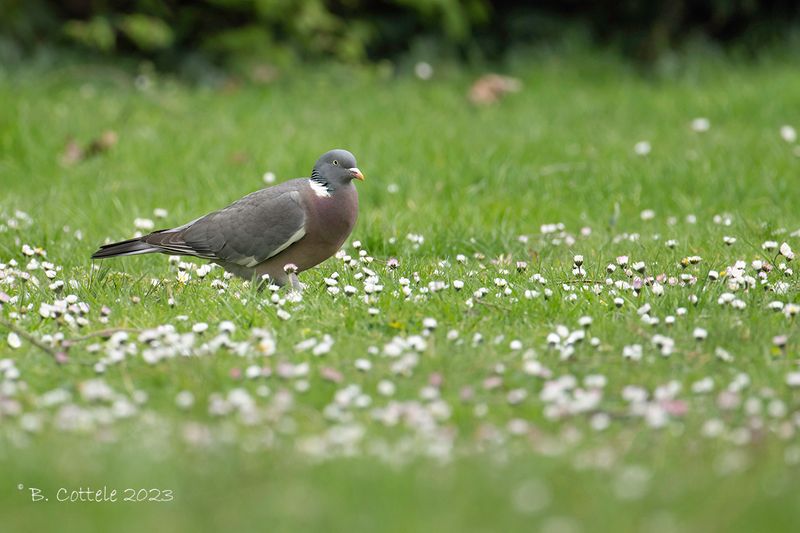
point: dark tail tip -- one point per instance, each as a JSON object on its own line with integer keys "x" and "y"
{"x": 129, "y": 247}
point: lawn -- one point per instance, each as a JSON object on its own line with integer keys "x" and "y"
{"x": 460, "y": 388}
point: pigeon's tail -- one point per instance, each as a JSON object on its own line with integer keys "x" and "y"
{"x": 129, "y": 247}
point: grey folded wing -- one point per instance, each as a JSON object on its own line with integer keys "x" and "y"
{"x": 247, "y": 232}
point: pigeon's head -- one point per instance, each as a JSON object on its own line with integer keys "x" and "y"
{"x": 337, "y": 167}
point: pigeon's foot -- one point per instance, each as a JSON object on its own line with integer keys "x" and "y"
{"x": 295, "y": 283}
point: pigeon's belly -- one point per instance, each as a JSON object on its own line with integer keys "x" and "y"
{"x": 329, "y": 223}
{"x": 335, "y": 217}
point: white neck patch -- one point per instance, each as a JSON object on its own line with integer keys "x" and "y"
{"x": 319, "y": 189}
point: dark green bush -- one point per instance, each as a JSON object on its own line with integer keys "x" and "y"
{"x": 280, "y": 31}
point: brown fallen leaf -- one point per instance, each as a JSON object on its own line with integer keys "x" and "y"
{"x": 107, "y": 140}
{"x": 74, "y": 153}
{"x": 490, "y": 88}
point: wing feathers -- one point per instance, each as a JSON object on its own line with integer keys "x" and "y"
{"x": 247, "y": 232}
{"x": 299, "y": 234}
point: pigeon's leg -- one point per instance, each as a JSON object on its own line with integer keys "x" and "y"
{"x": 296, "y": 285}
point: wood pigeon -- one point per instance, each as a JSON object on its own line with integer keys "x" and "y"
{"x": 276, "y": 232}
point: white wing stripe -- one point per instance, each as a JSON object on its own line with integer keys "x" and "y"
{"x": 252, "y": 261}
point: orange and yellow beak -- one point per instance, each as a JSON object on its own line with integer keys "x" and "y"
{"x": 356, "y": 173}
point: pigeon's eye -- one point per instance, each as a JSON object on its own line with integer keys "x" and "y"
{"x": 336, "y": 162}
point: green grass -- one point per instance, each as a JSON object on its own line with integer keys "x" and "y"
{"x": 471, "y": 181}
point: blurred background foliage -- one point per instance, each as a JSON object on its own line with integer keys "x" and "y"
{"x": 276, "y": 33}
